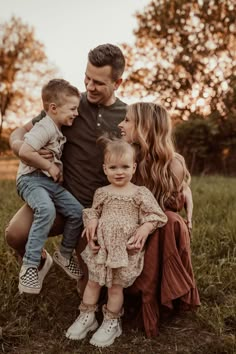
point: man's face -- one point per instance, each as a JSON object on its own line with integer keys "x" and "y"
{"x": 99, "y": 84}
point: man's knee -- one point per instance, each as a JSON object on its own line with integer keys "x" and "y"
{"x": 17, "y": 230}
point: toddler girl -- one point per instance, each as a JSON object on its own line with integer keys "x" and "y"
{"x": 121, "y": 212}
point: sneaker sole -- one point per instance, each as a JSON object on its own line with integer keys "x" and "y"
{"x": 83, "y": 334}
{"x": 105, "y": 344}
{"x": 65, "y": 269}
{"x": 27, "y": 290}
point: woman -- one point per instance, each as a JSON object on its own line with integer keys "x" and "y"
{"x": 167, "y": 279}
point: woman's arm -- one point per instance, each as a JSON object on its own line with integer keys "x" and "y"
{"x": 188, "y": 205}
{"x": 178, "y": 170}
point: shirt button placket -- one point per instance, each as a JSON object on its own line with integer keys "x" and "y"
{"x": 99, "y": 119}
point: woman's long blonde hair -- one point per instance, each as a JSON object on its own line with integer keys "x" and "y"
{"x": 155, "y": 150}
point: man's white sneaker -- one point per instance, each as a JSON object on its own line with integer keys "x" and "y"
{"x": 84, "y": 323}
{"x": 46, "y": 267}
{"x": 109, "y": 330}
{"x": 29, "y": 280}
{"x": 70, "y": 266}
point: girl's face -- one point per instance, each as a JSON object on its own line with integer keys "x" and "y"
{"x": 127, "y": 128}
{"x": 119, "y": 171}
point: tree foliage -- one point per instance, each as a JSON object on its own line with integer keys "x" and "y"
{"x": 24, "y": 68}
{"x": 184, "y": 55}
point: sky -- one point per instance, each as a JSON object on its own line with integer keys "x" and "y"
{"x": 70, "y": 28}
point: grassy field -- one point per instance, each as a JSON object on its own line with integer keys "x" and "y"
{"x": 37, "y": 324}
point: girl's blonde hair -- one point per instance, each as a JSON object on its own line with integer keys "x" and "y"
{"x": 115, "y": 147}
{"x": 155, "y": 149}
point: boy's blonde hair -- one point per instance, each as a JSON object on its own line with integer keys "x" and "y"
{"x": 54, "y": 91}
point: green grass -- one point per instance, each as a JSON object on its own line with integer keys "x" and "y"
{"x": 36, "y": 324}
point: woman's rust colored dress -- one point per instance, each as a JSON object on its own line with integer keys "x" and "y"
{"x": 167, "y": 278}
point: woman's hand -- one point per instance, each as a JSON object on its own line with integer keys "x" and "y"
{"x": 90, "y": 230}
{"x": 189, "y": 226}
{"x": 137, "y": 242}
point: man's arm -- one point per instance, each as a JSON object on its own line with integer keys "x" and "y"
{"x": 17, "y": 137}
{"x": 33, "y": 158}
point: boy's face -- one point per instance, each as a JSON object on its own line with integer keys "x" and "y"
{"x": 66, "y": 111}
{"x": 99, "y": 84}
{"x": 119, "y": 171}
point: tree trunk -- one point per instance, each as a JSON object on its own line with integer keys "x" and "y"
{"x": 1, "y": 124}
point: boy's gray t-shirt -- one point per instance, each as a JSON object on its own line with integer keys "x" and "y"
{"x": 82, "y": 158}
{"x": 45, "y": 134}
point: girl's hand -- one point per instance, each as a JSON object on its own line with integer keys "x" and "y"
{"x": 90, "y": 229}
{"x": 93, "y": 245}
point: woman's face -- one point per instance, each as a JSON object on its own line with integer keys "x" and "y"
{"x": 127, "y": 128}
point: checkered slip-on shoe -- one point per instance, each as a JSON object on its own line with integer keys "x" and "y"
{"x": 70, "y": 266}
{"x": 29, "y": 280}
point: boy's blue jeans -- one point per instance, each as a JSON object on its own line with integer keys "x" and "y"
{"x": 45, "y": 196}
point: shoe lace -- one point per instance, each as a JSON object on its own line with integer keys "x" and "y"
{"x": 108, "y": 325}
{"x": 83, "y": 318}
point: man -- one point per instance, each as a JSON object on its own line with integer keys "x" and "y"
{"x": 100, "y": 112}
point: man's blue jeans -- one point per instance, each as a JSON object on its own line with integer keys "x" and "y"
{"x": 45, "y": 196}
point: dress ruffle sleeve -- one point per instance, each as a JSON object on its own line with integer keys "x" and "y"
{"x": 95, "y": 211}
{"x": 149, "y": 210}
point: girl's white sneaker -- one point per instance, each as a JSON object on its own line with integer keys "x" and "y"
{"x": 84, "y": 323}
{"x": 109, "y": 330}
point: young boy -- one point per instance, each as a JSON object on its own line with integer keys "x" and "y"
{"x": 38, "y": 183}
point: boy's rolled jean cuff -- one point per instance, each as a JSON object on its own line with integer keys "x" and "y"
{"x": 17, "y": 230}
{"x": 66, "y": 252}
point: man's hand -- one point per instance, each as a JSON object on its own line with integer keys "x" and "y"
{"x": 46, "y": 154}
{"x": 54, "y": 172}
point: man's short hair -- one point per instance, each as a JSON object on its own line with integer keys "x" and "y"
{"x": 108, "y": 54}
{"x": 54, "y": 91}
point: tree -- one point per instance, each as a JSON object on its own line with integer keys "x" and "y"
{"x": 24, "y": 68}
{"x": 184, "y": 54}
